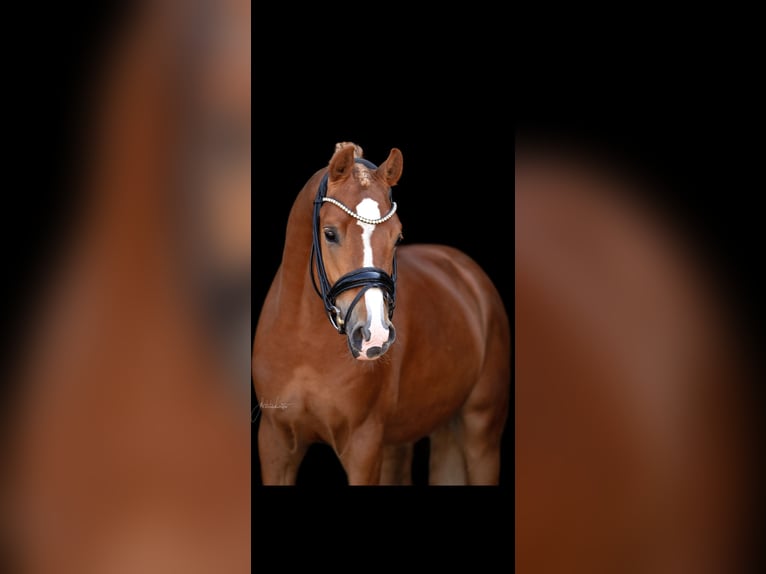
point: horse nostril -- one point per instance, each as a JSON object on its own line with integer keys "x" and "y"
{"x": 359, "y": 335}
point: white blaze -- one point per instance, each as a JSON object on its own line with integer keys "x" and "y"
{"x": 373, "y": 298}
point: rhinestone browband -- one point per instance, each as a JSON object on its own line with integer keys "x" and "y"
{"x": 355, "y": 215}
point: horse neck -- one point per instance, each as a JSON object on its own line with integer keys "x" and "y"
{"x": 296, "y": 288}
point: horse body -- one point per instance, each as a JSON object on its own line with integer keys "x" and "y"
{"x": 447, "y": 376}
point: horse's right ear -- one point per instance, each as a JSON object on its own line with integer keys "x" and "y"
{"x": 342, "y": 163}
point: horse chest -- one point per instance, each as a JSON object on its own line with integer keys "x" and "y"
{"x": 315, "y": 401}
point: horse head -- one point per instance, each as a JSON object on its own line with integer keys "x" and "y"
{"x": 356, "y": 232}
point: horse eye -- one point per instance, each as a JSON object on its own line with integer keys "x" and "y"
{"x": 399, "y": 239}
{"x": 330, "y": 235}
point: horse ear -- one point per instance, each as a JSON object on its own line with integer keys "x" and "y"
{"x": 391, "y": 169}
{"x": 342, "y": 163}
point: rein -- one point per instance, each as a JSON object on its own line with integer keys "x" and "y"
{"x": 364, "y": 277}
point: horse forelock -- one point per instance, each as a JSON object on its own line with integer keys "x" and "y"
{"x": 358, "y": 152}
{"x": 362, "y": 175}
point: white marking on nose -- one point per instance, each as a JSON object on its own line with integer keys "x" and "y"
{"x": 373, "y": 298}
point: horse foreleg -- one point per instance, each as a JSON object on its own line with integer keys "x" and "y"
{"x": 362, "y": 455}
{"x": 446, "y": 463}
{"x": 280, "y": 453}
{"x": 397, "y": 465}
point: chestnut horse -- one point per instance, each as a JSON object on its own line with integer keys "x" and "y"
{"x": 438, "y": 367}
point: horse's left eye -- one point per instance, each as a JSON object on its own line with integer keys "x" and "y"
{"x": 399, "y": 239}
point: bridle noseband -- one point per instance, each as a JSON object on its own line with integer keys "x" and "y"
{"x": 364, "y": 277}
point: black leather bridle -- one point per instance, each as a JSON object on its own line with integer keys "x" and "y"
{"x": 364, "y": 277}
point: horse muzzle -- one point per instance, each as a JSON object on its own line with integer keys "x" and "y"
{"x": 369, "y": 343}
{"x": 370, "y": 332}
